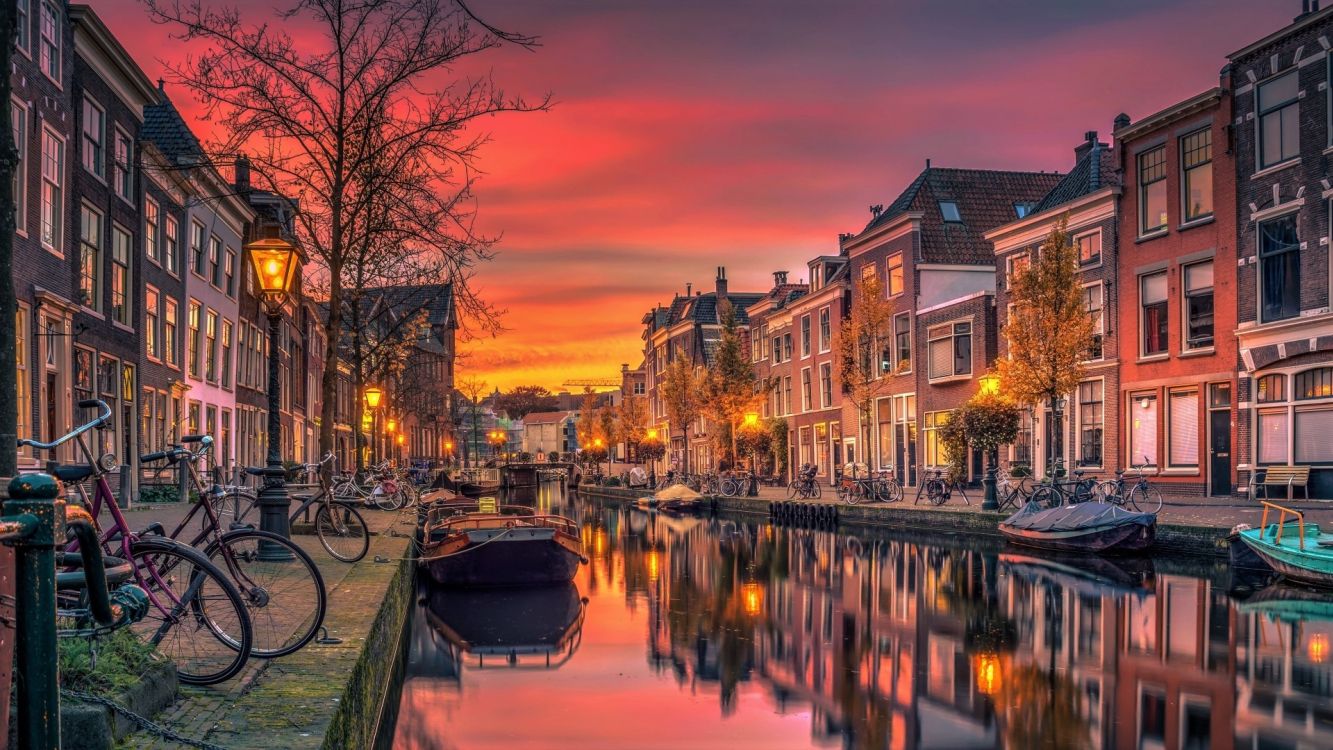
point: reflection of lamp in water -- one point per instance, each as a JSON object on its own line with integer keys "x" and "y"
{"x": 1317, "y": 648}
{"x": 988, "y": 674}
{"x": 599, "y": 542}
{"x": 752, "y": 597}
{"x": 654, "y": 564}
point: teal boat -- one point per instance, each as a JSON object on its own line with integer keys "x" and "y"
{"x": 1294, "y": 548}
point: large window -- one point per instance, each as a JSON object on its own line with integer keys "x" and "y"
{"x": 170, "y": 327}
{"x": 826, "y": 385}
{"x": 806, "y": 401}
{"x": 1312, "y": 428}
{"x": 120, "y": 275}
{"x": 1014, "y": 265}
{"x": 49, "y": 57}
{"x": 1311, "y": 384}
{"x": 151, "y": 306}
{"x": 197, "y": 233}
{"x": 90, "y": 257}
{"x": 1279, "y": 269}
{"x": 1271, "y": 388}
{"x": 1279, "y": 125}
{"x": 1094, "y": 304}
{"x": 932, "y": 422}
{"x": 1091, "y": 417}
{"x": 1196, "y": 163}
{"x": 1152, "y": 190}
{"x": 53, "y": 190}
{"x": 226, "y": 359}
{"x": 1183, "y": 429}
{"x": 1143, "y": 430}
{"x": 950, "y": 348}
{"x": 895, "y": 274}
{"x": 171, "y": 248}
{"x": 825, "y": 329}
{"x": 805, "y": 335}
{"x": 1199, "y": 305}
{"x": 24, "y": 39}
{"x": 211, "y": 346}
{"x": 215, "y": 260}
{"x": 94, "y": 138}
{"x": 18, "y": 115}
{"x": 1089, "y": 248}
{"x": 902, "y": 341}
{"x": 23, "y": 395}
{"x": 152, "y": 214}
{"x": 1272, "y": 437}
{"x": 1152, "y": 301}
{"x": 194, "y": 342}
{"x": 122, "y": 177}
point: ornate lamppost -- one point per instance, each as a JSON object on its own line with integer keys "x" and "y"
{"x": 989, "y": 386}
{"x": 751, "y": 424}
{"x": 276, "y": 262}
{"x": 373, "y": 396}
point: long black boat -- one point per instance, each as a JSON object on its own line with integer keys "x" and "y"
{"x": 463, "y": 544}
{"x": 1082, "y": 527}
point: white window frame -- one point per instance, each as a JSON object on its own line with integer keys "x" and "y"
{"x": 57, "y": 43}
{"x": 19, "y": 113}
{"x": 127, "y": 316}
{"x": 152, "y": 230}
{"x": 807, "y": 334}
{"x": 825, "y": 341}
{"x": 23, "y": 43}
{"x": 952, "y": 326}
{"x": 826, "y": 394}
{"x": 1185, "y": 218}
{"x": 1078, "y": 422}
{"x": 1259, "y": 165}
{"x": 1101, "y": 249}
{"x": 911, "y": 335}
{"x": 1009, "y": 261}
{"x": 57, "y": 182}
{"x": 122, "y": 173}
{"x": 1143, "y": 318}
{"x": 152, "y": 323}
{"x": 894, "y": 261}
{"x": 807, "y": 390}
{"x": 1167, "y": 421}
{"x": 1185, "y": 347}
{"x": 96, "y": 279}
{"x": 1101, "y": 323}
{"x": 93, "y": 145}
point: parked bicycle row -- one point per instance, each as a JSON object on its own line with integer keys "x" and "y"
{"x": 218, "y": 589}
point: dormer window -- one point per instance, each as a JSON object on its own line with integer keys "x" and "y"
{"x": 950, "y": 211}
{"x": 1023, "y": 209}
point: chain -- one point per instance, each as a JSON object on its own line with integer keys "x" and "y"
{"x": 145, "y": 724}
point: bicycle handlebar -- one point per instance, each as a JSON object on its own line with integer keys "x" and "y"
{"x": 99, "y": 422}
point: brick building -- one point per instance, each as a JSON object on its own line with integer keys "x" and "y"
{"x": 1281, "y": 134}
{"x": 771, "y": 348}
{"x": 1177, "y": 355}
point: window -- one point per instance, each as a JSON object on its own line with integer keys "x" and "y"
{"x": 950, "y": 211}
{"x": 1196, "y": 162}
{"x": 902, "y": 341}
{"x": 786, "y": 394}
{"x": 1183, "y": 429}
{"x": 49, "y": 57}
{"x": 23, "y": 394}
{"x": 1279, "y": 270}
{"x": 826, "y": 385}
{"x": 895, "y": 274}
{"x": 1312, "y": 428}
{"x": 194, "y": 339}
{"x": 94, "y": 138}
{"x": 805, "y": 336}
{"x": 18, "y": 115}
{"x": 1024, "y": 208}
{"x": 936, "y": 455}
{"x": 120, "y": 275}
{"x": 1089, "y": 249}
{"x": 1272, "y": 437}
{"x": 122, "y": 177}
{"x": 1199, "y": 305}
{"x": 777, "y": 350}
{"x": 197, "y": 232}
{"x": 53, "y": 190}
{"x": 151, "y": 304}
{"x": 950, "y": 348}
{"x": 1316, "y": 383}
{"x": 1279, "y": 126}
{"x": 1152, "y": 190}
{"x": 806, "y": 401}
{"x": 24, "y": 23}
{"x": 786, "y": 347}
{"x": 170, "y": 325}
{"x": 1090, "y": 420}
{"x": 1143, "y": 430}
{"x": 1152, "y": 301}
{"x": 1093, "y": 303}
{"x": 825, "y": 329}
{"x": 151, "y": 243}
{"x": 172, "y": 245}
{"x": 1272, "y": 388}
{"x": 1014, "y": 265}
{"x": 90, "y": 258}
{"x": 211, "y": 346}
{"x": 215, "y": 260}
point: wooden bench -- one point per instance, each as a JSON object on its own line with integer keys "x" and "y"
{"x": 1288, "y": 477}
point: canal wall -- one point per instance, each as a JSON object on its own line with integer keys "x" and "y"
{"x": 943, "y": 523}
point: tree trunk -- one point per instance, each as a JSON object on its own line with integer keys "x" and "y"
{"x": 8, "y": 303}
{"x": 328, "y": 409}
{"x": 1056, "y": 449}
{"x": 358, "y": 382}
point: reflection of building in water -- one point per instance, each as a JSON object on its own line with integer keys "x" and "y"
{"x": 1285, "y": 686}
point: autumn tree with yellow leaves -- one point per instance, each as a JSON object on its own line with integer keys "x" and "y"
{"x": 863, "y": 338}
{"x": 1049, "y": 331}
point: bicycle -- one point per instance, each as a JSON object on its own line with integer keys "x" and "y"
{"x": 1012, "y": 492}
{"x": 1055, "y": 491}
{"x": 340, "y": 527}
{"x": 736, "y": 484}
{"x": 804, "y": 485}
{"x": 189, "y": 596}
{"x": 1143, "y": 497}
{"x": 937, "y": 489}
{"x": 281, "y": 584}
{"x": 880, "y": 486}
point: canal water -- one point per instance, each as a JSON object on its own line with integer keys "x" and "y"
{"x": 694, "y": 633}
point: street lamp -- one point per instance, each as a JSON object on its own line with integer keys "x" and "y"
{"x": 652, "y": 463}
{"x": 989, "y": 387}
{"x": 276, "y": 262}
{"x": 373, "y": 396}
{"x": 752, "y": 423}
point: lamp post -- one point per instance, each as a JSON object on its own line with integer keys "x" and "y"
{"x": 989, "y": 387}
{"x": 448, "y": 452}
{"x": 752, "y": 423}
{"x": 390, "y": 425}
{"x": 652, "y": 464}
{"x": 373, "y": 396}
{"x": 276, "y": 263}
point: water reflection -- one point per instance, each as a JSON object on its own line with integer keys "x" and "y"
{"x": 757, "y": 636}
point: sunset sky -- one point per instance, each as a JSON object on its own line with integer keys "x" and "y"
{"x": 688, "y": 134}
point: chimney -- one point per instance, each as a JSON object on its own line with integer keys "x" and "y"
{"x": 242, "y": 174}
{"x": 779, "y": 278}
{"x": 688, "y": 288}
{"x": 1081, "y": 150}
{"x": 876, "y": 210}
{"x": 721, "y": 282}
{"x": 1120, "y": 123}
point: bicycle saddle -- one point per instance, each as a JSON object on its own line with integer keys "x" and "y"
{"x": 72, "y": 472}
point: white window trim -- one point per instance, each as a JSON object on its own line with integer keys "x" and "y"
{"x": 58, "y": 249}
{"x": 1185, "y": 348}
{"x": 1185, "y": 220}
{"x": 24, "y": 150}
{"x": 60, "y": 41}
{"x": 1078, "y": 427}
{"x": 129, "y": 165}
{"x": 1142, "y": 232}
{"x": 1009, "y": 266}
{"x": 83, "y": 135}
{"x": 26, "y": 51}
{"x": 972, "y": 367}
{"x": 157, "y": 234}
{"x": 825, "y": 342}
{"x": 156, "y": 329}
{"x": 1171, "y": 468}
{"x": 129, "y": 274}
{"x": 1259, "y": 169}
{"x": 1139, "y": 333}
{"x": 806, "y": 373}
{"x": 1258, "y": 266}
{"x": 805, "y": 331}
{"x": 1131, "y": 460}
{"x": 888, "y": 274}
{"x": 1101, "y": 328}
{"x": 167, "y": 221}
{"x": 911, "y": 343}
{"x": 1101, "y": 252}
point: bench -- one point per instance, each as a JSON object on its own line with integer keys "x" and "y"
{"x": 1288, "y": 477}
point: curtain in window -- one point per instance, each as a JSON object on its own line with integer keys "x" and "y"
{"x": 1273, "y": 437}
{"x": 1313, "y": 430}
{"x": 1279, "y": 272}
{"x": 962, "y": 354}
{"x": 1184, "y": 436}
{"x": 1143, "y": 431}
{"x": 941, "y": 358}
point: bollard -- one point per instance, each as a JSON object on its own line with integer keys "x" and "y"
{"x": 34, "y": 520}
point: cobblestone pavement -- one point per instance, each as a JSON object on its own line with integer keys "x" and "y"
{"x": 216, "y": 712}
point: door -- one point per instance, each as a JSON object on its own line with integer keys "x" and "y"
{"x": 1219, "y": 453}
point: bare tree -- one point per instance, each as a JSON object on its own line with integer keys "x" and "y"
{"x": 472, "y": 387}
{"x": 352, "y": 123}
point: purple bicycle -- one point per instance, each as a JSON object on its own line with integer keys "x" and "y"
{"x": 197, "y": 617}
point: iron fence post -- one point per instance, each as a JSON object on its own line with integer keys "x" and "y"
{"x": 34, "y": 500}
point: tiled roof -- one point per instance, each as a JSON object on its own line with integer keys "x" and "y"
{"x": 1082, "y": 179}
{"x": 986, "y": 199}
{"x": 437, "y": 300}
{"x": 545, "y": 417}
{"x": 164, "y": 126}
{"x": 702, "y": 308}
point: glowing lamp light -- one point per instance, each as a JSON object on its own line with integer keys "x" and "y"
{"x": 275, "y": 261}
{"x": 1317, "y": 649}
{"x": 751, "y": 419}
{"x": 988, "y": 674}
{"x": 391, "y": 425}
{"x": 752, "y": 598}
{"x": 654, "y": 562}
{"x": 989, "y": 384}
{"x": 402, "y": 439}
{"x": 652, "y": 433}
{"x": 373, "y": 396}
{"x": 597, "y": 442}
{"x": 366, "y": 421}
{"x": 449, "y": 446}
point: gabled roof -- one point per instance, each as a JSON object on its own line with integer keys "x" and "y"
{"x": 985, "y": 199}
{"x": 1094, "y": 171}
{"x": 546, "y": 417}
{"x": 164, "y": 126}
{"x": 436, "y": 300}
{"x": 701, "y": 309}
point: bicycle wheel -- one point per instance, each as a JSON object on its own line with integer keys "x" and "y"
{"x": 814, "y": 490}
{"x": 729, "y": 488}
{"x": 386, "y": 500}
{"x": 1107, "y": 491}
{"x": 1145, "y": 498}
{"x": 236, "y": 504}
{"x": 198, "y": 619}
{"x": 893, "y": 491}
{"x": 1046, "y": 497}
{"x": 284, "y": 598}
{"x": 794, "y": 489}
{"x": 937, "y": 492}
{"x": 342, "y": 531}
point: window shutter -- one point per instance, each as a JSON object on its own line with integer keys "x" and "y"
{"x": 1273, "y": 437}
{"x": 1312, "y": 431}
{"x": 1184, "y": 437}
{"x": 1143, "y": 431}
{"x": 941, "y": 358}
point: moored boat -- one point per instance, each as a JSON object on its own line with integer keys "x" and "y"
{"x": 498, "y": 545}
{"x": 1082, "y": 527}
{"x": 1296, "y": 549}
{"x": 677, "y": 497}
